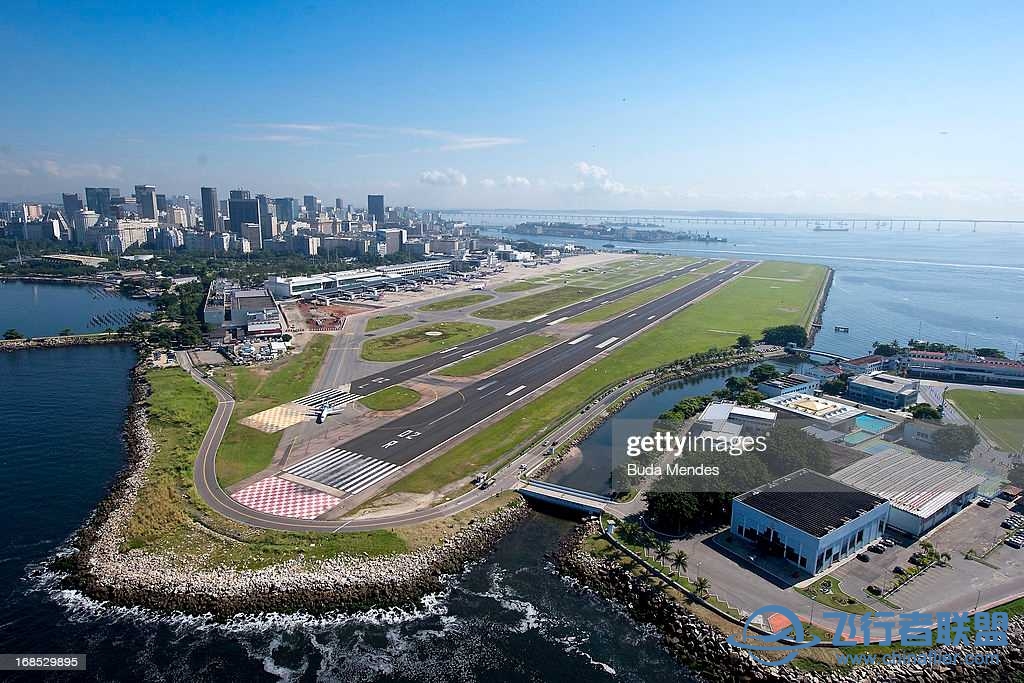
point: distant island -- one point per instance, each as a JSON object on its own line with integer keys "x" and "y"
{"x": 610, "y": 231}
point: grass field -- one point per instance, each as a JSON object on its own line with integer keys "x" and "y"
{"x": 415, "y": 342}
{"x": 521, "y": 286}
{"x": 382, "y": 321}
{"x": 244, "y": 450}
{"x": 615, "y": 274}
{"x": 499, "y": 355}
{"x": 743, "y": 306}
{"x": 535, "y": 304}
{"x": 169, "y": 516}
{"x": 1001, "y": 415}
{"x": 457, "y": 302}
{"x": 392, "y": 398}
{"x": 627, "y": 303}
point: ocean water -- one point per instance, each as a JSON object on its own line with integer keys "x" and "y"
{"x": 953, "y": 286}
{"x": 509, "y": 617}
{"x": 38, "y": 309}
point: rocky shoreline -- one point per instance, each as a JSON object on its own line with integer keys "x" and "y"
{"x": 67, "y": 340}
{"x": 97, "y": 565}
{"x": 703, "y": 649}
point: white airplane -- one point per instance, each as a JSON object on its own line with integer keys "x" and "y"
{"x": 326, "y": 411}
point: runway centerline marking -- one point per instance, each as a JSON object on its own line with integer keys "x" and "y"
{"x": 484, "y": 386}
{"x": 607, "y": 342}
{"x": 560, "y": 320}
{"x": 577, "y": 340}
{"x": 516, "y": 390}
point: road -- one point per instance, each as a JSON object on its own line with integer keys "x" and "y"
{"x": 396, "y": 374}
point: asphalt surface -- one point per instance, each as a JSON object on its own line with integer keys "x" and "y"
{"x": 396, "y": 374}
{"x": 407, "y": 438}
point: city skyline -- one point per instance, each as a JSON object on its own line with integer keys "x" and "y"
{"x": 684, "y": 109}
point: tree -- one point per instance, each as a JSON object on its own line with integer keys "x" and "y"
{"x": 749, "y": 397}
{"x": 737, "y": 384}
{"x": 662, "y": 550}
{"x": 925, "y": 411}
{"x": 702, "y": 586}
{"x": 763, "y": 372}
{"x": 785, "y": 334}
{"x": 989, "y": 352}
{"x": 744, "y": 341}
{"x": 66, "y": 332}
{"x": 955, "y": 442}
{"x": 887, "y": 348}
{"x": 680, "y": 561}
{"x": 1016, "y": 475}
{"x": 13, "y": 334}
{"x": 788, "y": 448}
{"x": 836, "y": 386}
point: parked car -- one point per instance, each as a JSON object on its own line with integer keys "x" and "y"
{"x": 984, "y": 502}
{"x": 877, "y": 548}
{"x": 1015, "y": 542}
{"x": 898, "y": 570}
{"x": 888, "y": 542}
{"x": 874, "y": 590}
{"x": 863, "y": 557}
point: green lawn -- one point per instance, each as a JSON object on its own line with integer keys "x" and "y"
{"x": 521, "y": 286}
{"x": 999, "y": 416}
{"x": 499, "y": 355}
{"x": 382, "y": 321}
{"x": 170, "y": 516}
{"x": 627, "y": 303}
{"x": 392, "y": 398}
{"x": 457, "y": 302}
{"x": 244, "y": 450}
{"x": 415, "y": 342}
{"x": 743, "y": 306}
{"x": 535, "y": 304}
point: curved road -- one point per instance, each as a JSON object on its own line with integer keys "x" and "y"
{"x": 205, "y": 474}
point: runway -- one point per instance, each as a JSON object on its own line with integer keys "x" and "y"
{"x": 384, "y": 452}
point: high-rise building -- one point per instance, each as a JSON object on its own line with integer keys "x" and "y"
{"x": 242, "y": 208}
{"x": 287, "y": 209}
{"x": 161, "y": 202}
{"x": 375, "y": 207}
{"x": 312, "y": 205}
{"x": 145, "y": 201}
{"x": 72, "y": 205}
{"x": 98, "y": 200}
{"x": 339, "y": 205}
{"x": 211, "y": 210}
{"x": 268, "y": 217}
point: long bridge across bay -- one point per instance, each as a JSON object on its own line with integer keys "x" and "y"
{"x": 824, "y": 223}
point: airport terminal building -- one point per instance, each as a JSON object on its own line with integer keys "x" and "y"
{"x": 809, "y": 520}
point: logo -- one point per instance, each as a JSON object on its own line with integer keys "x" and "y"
{"x": 755, "y": 642}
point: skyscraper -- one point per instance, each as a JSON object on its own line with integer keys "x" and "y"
{"x": 145, "y": 200}
{"x": 375, "y": 207}
{"x": 268, "y": 217}
{"x": 339, "y": 204}
{"x": 242, "y": 208}
{"x": 72, "y": 205}
{"x": 286, "y": 209}
{"x": 312, "y": 205}
{"x": 98, "y": 200}
{"x": 211, "y": 209}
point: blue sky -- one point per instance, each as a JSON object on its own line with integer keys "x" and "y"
{"x": 796, "y": 107}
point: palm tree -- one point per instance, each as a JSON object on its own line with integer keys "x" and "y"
{"x": 647, "y": 541}
{"x": 702, "y": 587}
{"x": 661, "y": 551}
{"x": 680, "y": 561}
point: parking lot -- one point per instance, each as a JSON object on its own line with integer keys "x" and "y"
{"x": 960, "y": 585}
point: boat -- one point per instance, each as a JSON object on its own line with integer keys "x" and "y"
{"x": 840, "y": 328}
{"x": 819, "y": 228}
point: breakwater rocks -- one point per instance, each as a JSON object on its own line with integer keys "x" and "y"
{"x": 99, "y": 566}
{"x": 67, "y": 340}
{"x": 703, "y": 649}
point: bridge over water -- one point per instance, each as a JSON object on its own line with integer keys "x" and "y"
{"x": 566, "y": 497}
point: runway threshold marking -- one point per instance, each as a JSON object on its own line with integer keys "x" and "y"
{"x": 607, "y": 342}
{"x": 484, "y": 386}
{"x": 577, "y": 340}
{"x": 537, "y": 317}
{"x": 471, "y": 353}
{"x": 516, "y": 390}
{"x": 454, "y": 348}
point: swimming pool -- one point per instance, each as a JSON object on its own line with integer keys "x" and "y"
{"x": 870, "y": 423}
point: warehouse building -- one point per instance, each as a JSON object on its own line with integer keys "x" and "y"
{"x": 809, "y": 520}
{"x": 923, "y": 492}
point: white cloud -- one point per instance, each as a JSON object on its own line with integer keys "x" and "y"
{"x": 516, "y": 181}
{"x": 56, "y": 169}
{"x": 488, "y": 182}
{"x": 448, "y": 177}
{"x": 594, "y": 178}
{"x": 450, "y": 141}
